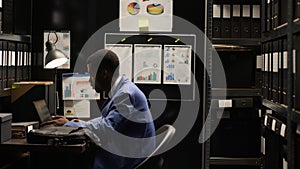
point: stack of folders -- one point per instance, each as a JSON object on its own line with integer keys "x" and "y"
{"x": 236, "y": 20}
{"x": 14, "y": 63}
{"x": 276, "y": 13}
{"x": 274, "y": 142}
{"x": 274, "y": 65}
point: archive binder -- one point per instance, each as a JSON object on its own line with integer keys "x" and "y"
{"x": 246, "y": 22}
{"x": 258, "y": 73}
{"x": 280, "y": 71}
{"x": 226, "y": 21}
{"x": 297, "y": 83}
{"x": 265, "y": 71}
{"x": 275, "y": 71}
{"x": 268, "y": 15}
{"x": 284, "y": 72}
{"x": 236, "y": 21}
{"x": 275, "y": 13}
{"x": 283, "y": 11}
{"x": 216, "y": 24}
{"x": 270, "y": 71}
{"x": 297, "y": 9}
{"x": 255, "y": 22}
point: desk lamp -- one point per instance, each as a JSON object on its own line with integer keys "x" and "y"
{"x": 54, "y": 59}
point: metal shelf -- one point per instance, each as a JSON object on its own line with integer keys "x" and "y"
{"x": 237, "y": 41}
{"x": 15, "y": 38}
{"x": 235, "y": 161}
{"x": 237, "y": 92}
{"x": 279, "y": 108}
{"x": 281, "y": 31}
{"x": 282, "y": 110}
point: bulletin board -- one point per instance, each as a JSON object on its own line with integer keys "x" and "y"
{"x": 159, "y": 61}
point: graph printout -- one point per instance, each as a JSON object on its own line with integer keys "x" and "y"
{"x": 147, "y": 63}
{"x": 177, "y": 64}
{"x": 78, "y": 87}
{"x": 124, "y": 52}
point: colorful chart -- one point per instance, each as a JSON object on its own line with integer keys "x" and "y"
{"x": 133, "y": 8}
{"x": 147, "y": 63}
{"x": 177, "y": 64}
{"x": 155, "y": 9}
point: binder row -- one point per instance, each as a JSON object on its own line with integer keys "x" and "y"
{"x": 236, "y": 21}
{"x": 15, "y": 62}
{"x": 274, "y": 143}
{"x": 272, "y": 72}
{"x": 276, "y": 13}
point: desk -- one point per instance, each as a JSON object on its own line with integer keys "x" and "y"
{"x": 50, "y": 156}
{"x": 21, "y": 144}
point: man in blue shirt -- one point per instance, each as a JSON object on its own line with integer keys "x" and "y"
{"x": 124, "y": 126}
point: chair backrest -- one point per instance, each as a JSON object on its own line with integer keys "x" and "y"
{"x": 163, "y": 136}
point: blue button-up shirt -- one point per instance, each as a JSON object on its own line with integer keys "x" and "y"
{"x": 125, "y": 121}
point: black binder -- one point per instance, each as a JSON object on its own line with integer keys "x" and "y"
{"x": 216, "y": 24}
{"x": 268, "y": 16}
{"x": 265, "y": 71}
{"x": 297, "y": 9}
{"x": 280, "y": 70}
{"x": 246, "y": 21}
{"x": 275, "y": 13}
{"x": 270, "y": 71}
{"x": 284, "y": 73}
{"x": 258, "y": 73}
{"x": 295, "y": 53}
{"x": 255, "y": 22}
{"x": 297, "y": 82}
{"x": 275, "y": 64}
{"x": 216, "y": 28}
{"x": 226, "y": 21}
{"x": 236, "y": 21}
{"x": 283, "y": 11}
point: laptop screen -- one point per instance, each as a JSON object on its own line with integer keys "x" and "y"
{"x": 42, "y": 110}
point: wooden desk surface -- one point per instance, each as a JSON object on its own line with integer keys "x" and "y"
{"x": 21, "y": 144}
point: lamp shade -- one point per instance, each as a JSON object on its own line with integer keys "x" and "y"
{"x": 54, "y": 57}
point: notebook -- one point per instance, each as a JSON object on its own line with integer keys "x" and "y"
{"x": 42, "y": 110}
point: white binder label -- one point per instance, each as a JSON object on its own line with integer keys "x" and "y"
{"x": 256, "y": 11}
{"x": 282, "y": 130}
{"x": 259, "y": 63}
{"x": 246, "y": 10}
{"x": 225, "y": 103}
{"x": 262, "y": 145}
{"x": 226, "y": 11}
{"x": 236, "y": 11}
{"x": 216, "y": 11}
{"x": 273, "y": 124}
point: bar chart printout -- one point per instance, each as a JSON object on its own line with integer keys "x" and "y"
{"x": 147, "y": 63}
{"x": 177, "y": 64}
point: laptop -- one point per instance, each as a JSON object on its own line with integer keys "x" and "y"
{"x": 42, "y": 110}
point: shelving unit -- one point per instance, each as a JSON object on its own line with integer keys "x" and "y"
{"x": 15, "y": 59}
{"x": 283, "y": 108}
{"x": 240, "y": 99}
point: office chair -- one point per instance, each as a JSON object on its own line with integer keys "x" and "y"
{"x": 163, "y": 136}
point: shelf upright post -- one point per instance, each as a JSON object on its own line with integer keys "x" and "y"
{"x": 207, "y": 83}
{"x": 290, "y": 134}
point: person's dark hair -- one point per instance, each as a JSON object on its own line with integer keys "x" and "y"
{"x": 104, "y": 60}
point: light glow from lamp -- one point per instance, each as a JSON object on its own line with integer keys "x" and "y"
{"x": 54, "y": 57}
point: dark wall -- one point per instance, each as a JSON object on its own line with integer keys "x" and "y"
{"x": 83, "y": 18}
